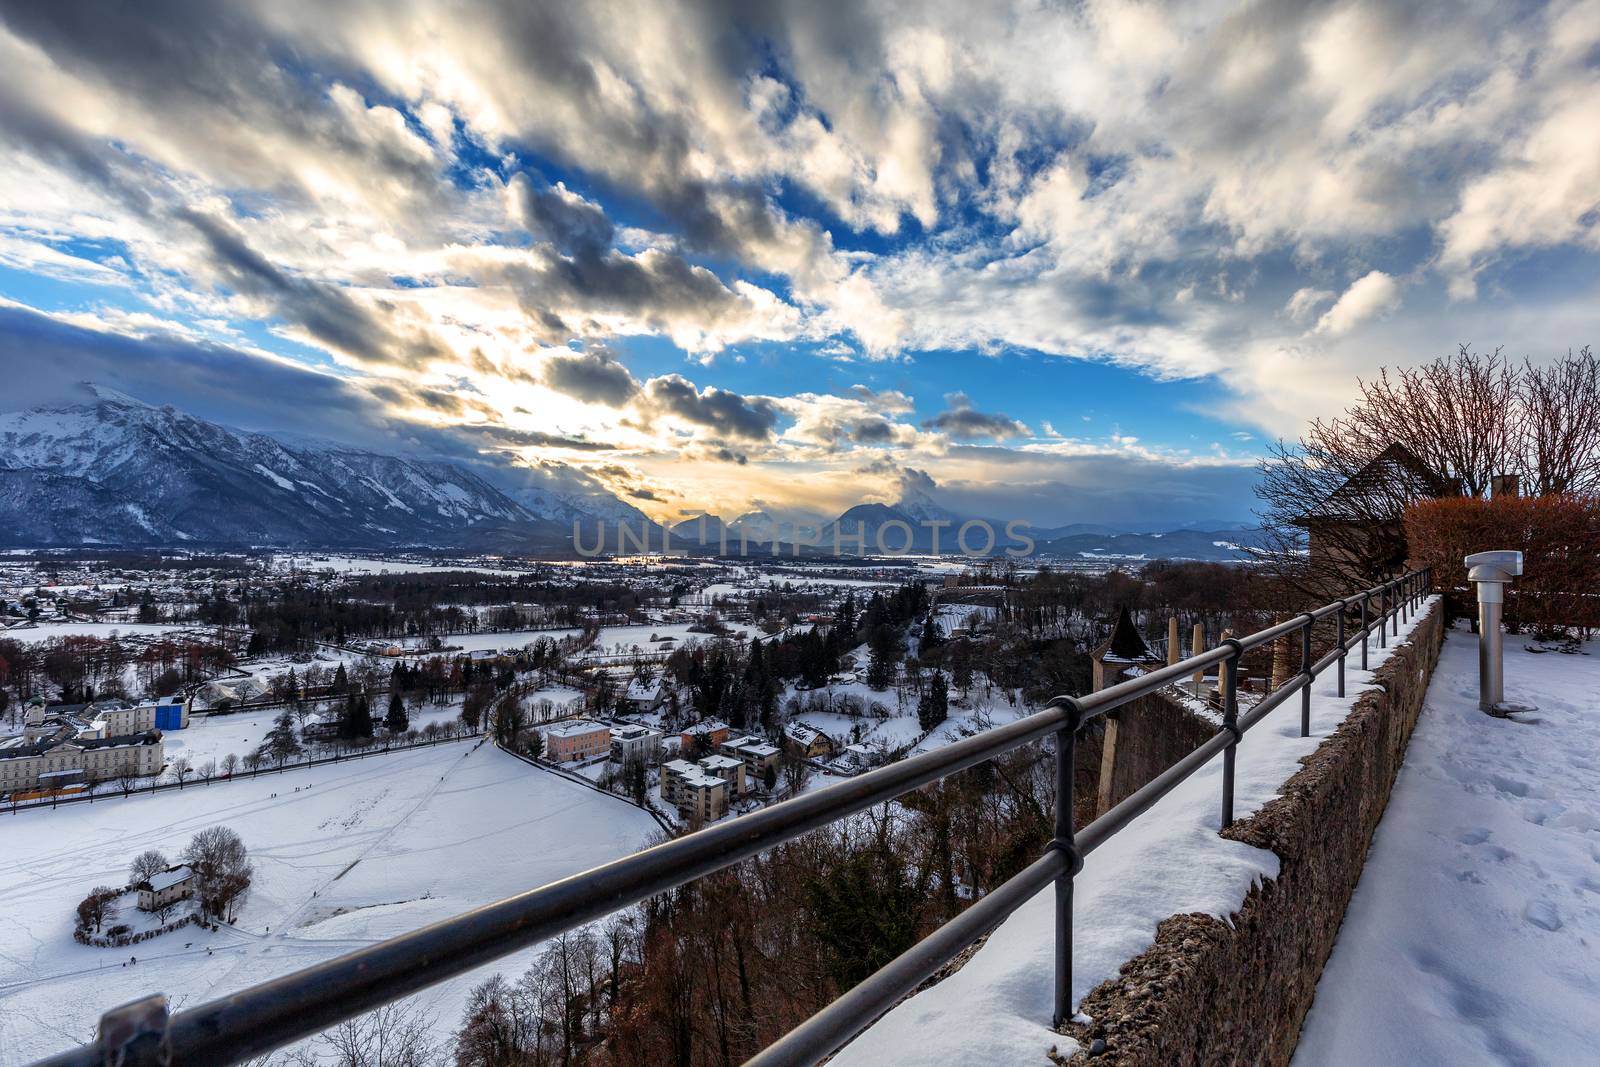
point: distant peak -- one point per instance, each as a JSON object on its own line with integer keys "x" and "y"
{"x": 107, "y": 395}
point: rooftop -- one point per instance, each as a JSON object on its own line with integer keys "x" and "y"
{"x": 576, "y": 728}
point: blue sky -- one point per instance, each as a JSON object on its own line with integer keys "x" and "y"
{"x": 1065, "y": 264}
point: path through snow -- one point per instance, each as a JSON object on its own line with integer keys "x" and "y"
{"x": 1474, "y": 934}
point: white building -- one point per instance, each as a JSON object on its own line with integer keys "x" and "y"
{"x": 168, "y": 887}
{"x": 631, "y": 741}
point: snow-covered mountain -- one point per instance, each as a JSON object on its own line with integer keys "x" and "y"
{"x": 119, "y": 471}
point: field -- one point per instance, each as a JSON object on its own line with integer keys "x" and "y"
{"x": 344, "y": 855}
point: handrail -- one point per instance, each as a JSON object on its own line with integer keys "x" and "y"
{"x": 264, "y": 1017}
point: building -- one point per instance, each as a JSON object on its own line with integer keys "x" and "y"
{"x": 576, "y": 739}
{"x": 168, "y": 887}
{"x": 756, "y": 754}
{"x": 698, "y": 794}
{"x": 171, "y": 713}
{"x": 630, "y": 741}
{"x": 118, "y": 716}
{"x": 73, "y": 745}
{"x": 728, "y": 768}
{"x": 323, "y": 726}
{"x": 644, "y": 696}
{"x": 807, "y": 740}
{"x": 1123, "y": 655}
{"x": 862, "y": 756}
{"x": 1358, "y": 532}
{"x": 713, "y": 733}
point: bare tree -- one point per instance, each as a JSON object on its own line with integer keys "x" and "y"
{"x": 399, "y": 1034}
{"x": 208, "y": 770}
{"x": 95, "y": 908}
{"x": 230, "y": 763}
{"x": 127, "y": 779}
{"x": 1558, "y": 425}
{"x": 222, "y": 869}
{"x": 1448, "y": 427}
{"x": 181, "y": 769}
{"x": 146, "y": 865}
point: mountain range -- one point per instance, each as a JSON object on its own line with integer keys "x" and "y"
{"x": 118, "y": 471}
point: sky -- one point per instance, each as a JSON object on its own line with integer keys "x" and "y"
{"x": 1059, "y": 262}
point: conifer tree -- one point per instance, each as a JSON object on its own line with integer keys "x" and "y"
{"x": 397, "y": 721}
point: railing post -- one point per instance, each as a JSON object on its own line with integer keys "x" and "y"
{"x": 1366, "y": 628}
{"x": 1394, "y": 614}
{"x": 1230, "y": 722}
{"x": 1305, "y": 669}
{"x": 1065, "y": 840}
{"x": 1383, "y": 617}
{"x": 1343, "y": 652}
{"x": 1404, "y": 593}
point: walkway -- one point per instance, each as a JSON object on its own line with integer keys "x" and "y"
{"x": 1474, "y": 934}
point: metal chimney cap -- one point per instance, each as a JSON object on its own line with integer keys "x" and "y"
{"x": 1498, "y": 566}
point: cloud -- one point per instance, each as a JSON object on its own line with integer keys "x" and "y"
{"x": 594, "y": 377}
{"x": 1371, "y": 295}
{"x": 415, "y": 198}
{"x": 961, "y": 420}
{"x": 725, "y": 413}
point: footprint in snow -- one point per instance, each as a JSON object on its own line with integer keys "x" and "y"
{"x": 1543, "y": 914}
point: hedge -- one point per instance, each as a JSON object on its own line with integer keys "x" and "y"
{"x": 1559, "y": 537}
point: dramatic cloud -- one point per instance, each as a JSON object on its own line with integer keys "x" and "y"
{"x": 725, "y": 413}
{"x": 963, "y": 421}
{"x": 511, "y": 223}
{"x": 593, "y": 377}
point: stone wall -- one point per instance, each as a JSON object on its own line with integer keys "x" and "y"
{"x": 1210, "y": 993}
{"x": 1151, "y": 734}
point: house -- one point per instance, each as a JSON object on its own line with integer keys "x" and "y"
{"x": 807, "y": 740}
{"x": 862, "y": 756}
{"x": 321, "y": 727}
{"x": 167, "y": 888}
{"x": 1357, "y": 531}
{"x": 712, "y": 733}
{"x": 756, "y": 754}
{"x": 631, "y": 741}
{"x": 644, "y": 696}
{"x": 576, "y": 739}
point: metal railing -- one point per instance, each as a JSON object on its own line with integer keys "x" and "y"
{"x": 264, "y": 1017}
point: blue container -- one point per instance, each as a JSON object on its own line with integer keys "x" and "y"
{"x": 169, "y": 716}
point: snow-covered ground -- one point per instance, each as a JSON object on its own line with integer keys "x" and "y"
{"x": 368, "y": 565}
{"x": 1171, "y": 860}
{"x": 503, "y": 640}
{"x": 1474, "y": 934}
{"x": 344, "y": 855}
{"x": 46, "y": 630}
{"x": 214, "y": 736}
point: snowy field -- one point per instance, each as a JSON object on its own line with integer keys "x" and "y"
{"x": 46, "y": 630}
{"x": 501, "y": 641}
{"x": 1171, "y": 860}
{"x": 1474, "y": 934}
{"x": 364, "y": 565}
{"x": 214, "y": 736}
{"x": 624, "y": 638}
{"x": 344, "y": 855}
